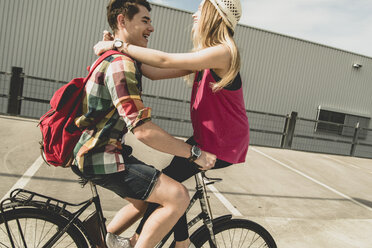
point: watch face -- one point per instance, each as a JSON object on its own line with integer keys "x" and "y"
{"x": 118, "y": 43}
{"x": 196, "y": 151}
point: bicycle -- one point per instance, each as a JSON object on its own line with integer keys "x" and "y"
{"x": 29, "y": 219}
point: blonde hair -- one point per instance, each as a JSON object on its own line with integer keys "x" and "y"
{"x": 212, "y": 31}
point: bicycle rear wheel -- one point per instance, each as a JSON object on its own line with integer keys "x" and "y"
{"x": 236, "y": 233}
{"x": 33, "y": 227}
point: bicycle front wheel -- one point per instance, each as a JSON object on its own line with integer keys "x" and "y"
{"x": 236, "y": 233}
{"x": 33, "y": 228}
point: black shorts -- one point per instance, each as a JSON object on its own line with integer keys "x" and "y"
{"x": 137, "y": 181}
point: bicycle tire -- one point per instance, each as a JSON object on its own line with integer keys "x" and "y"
{"x": 37, "y": 226}
{"x": 236, "y": 233}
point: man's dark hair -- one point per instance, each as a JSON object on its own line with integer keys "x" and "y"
{"x": 126, "y": 7}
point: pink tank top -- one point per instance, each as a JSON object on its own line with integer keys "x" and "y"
{"x": 219, "y": 120}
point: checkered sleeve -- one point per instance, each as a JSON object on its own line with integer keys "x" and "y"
{"x": 126, "y": 96}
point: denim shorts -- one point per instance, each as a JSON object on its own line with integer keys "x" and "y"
{"x": 137, "y": 181}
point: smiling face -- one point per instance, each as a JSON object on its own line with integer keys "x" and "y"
{"x": 137, "y": 31}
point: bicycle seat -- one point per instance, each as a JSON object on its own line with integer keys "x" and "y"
{"x": 209, "y": 180}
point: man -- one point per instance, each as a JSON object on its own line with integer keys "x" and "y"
{"x": 100, "y": 155}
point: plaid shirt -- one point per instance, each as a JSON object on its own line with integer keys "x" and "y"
{"x": 115, "y": 82}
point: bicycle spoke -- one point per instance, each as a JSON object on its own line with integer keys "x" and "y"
{"x": 51, "y": 232}
{"x": 246, "y": 235}
{"x": 68, "y": 245}
{"x": 41, "y": 234}
{"x": 36, "y": 233}
{"x": 14, "y": 238}
{"x": 47, "y": 233}
{"x": 35, "y": 229}
{"x": 60, "y": 240}
{"x": 25, "y": 227}
{"x": 232, "y": 238}
{"x": 3, "y": 245}
{"x": 238, "y": 238}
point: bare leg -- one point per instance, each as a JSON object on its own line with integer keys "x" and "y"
{"x": 127, "y": 216}
{"x": 173, "y": 199}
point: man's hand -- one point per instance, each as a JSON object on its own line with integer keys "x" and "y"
{"x": 106, "y": 44}
{"x": 206, "y": 160}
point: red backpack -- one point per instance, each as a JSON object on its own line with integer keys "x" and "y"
{"x": 58, "y": 129}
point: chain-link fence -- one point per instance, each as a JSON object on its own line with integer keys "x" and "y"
{"x": 4, "y": 91}
{"x": 308, "y": 138}
{"x": 266, "y": 129}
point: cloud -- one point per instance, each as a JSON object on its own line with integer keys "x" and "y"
{"x": 339, "y": 23}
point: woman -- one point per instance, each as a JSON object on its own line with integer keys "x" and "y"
{"x": 217, "y": 107}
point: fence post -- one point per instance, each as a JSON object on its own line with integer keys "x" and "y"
{"x": 285, "y": 131}
{"x": 289, "y": 129}
{"x": 355, "y": 139}
{"x": 15, "y": 91}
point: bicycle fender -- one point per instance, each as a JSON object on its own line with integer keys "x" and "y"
{"x": 217, "y": 221}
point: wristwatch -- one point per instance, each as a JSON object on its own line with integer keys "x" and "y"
{"x": 118, "y": 43}
{"x": 195, "y": 153}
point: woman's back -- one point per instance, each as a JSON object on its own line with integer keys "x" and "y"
{"x": 219, "y": 118}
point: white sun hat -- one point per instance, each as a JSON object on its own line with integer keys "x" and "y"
{"x": 230, "y": 10}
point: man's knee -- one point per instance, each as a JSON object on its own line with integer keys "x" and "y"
{"x": 182, "y": 198}
{"x": 170, "y": 193}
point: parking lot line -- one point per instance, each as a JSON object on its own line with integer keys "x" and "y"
{"x": 312, "y": 179}
{"x": 22, "y": 182}
{"x": 346, "y": 163}
{"x": 224, "y": 201}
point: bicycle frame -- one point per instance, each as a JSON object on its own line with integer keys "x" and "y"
{"x": 205, "y": 214}
{"x": 22, "y": 197}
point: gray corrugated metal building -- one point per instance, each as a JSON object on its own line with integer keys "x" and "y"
{"x": 54, "y": 39}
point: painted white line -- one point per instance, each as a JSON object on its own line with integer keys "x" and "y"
{"x": 22, "y": 182}
{"x": 342, "y": 162}
{"x": 224, "y": 201}
{"x": 312, "y": 179}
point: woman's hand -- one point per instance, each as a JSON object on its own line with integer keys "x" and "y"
{"x": 103, "y": 46}
{"x": 206, "y": 160}
{"x": 107, "y": 36}
{"x": 106, "y": 44}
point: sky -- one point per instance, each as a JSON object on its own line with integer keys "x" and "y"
{"x": 343, "y": 24}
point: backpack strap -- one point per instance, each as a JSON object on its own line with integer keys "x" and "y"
{"x": 100, "y": 59}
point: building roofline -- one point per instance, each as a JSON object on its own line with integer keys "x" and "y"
{"x": 273, "y": 32}
{"x": 303, "y": 40}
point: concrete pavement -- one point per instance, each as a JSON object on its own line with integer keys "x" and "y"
{"x": 304, "y": 199}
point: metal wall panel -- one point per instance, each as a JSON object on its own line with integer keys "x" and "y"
{"x": 50, "y": 38}
{"x": 172, "y": 34}
{"x": 54, "y": 39}
{"x": 284, "y": 74}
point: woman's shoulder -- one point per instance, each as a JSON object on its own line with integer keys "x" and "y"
{"x": 223, "y": 49}
{"x": 236, "y": 84}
